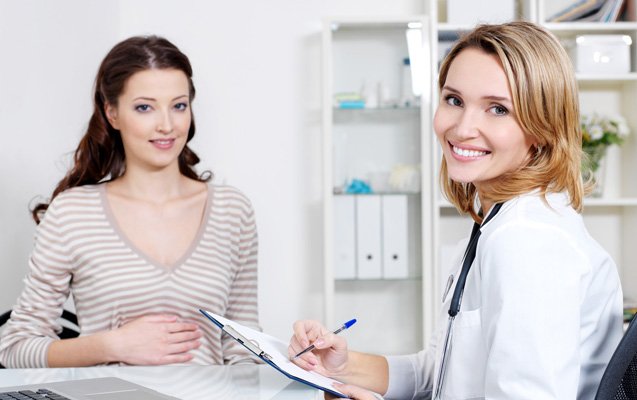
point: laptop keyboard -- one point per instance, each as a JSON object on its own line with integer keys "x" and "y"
{"x": 41, "y": 394}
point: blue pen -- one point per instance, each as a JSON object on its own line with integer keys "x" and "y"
{"x": 342, "y": 328}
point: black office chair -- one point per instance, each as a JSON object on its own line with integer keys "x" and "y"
{"x": 620, "y": 378}
{"x": 70, "y": 327}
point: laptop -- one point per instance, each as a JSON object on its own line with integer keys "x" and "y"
{"x": 83, "y": 389}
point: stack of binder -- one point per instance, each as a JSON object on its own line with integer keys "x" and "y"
{"x": 590, "y": 11}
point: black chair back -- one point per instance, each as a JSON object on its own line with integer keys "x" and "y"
{"x": 70, "y": 327}
{"x": 619, "y": 381}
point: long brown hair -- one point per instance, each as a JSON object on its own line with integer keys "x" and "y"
{"x": 100, "y": 153}
{"x": 545, "y": 99}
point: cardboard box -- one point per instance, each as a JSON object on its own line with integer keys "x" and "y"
{"x": 601, "y": 54}
{"x": 472, "y": 12}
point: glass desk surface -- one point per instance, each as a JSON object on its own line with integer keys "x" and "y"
{"x": 185, "y": 382}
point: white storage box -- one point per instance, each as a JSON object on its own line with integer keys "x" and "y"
{"x": 601, "y": 54}
{"x": 471, "y": 12}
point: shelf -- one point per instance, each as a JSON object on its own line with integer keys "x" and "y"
{"x": 377, "y": 110}
{"x": 618, "y": 202}
{"x": 409, "y": 279}
{"x": 360, "y": 23}
{"x": 590, "y": 27}
{"x": 632, "y": 76}
{"x": 446, "y": 28}
{"x": 557, "y": 27}
{"x": 377, "y": 193}
{"x": 398, "y": 116}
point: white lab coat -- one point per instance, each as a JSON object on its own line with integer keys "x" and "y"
{"x": 540, "y": 318}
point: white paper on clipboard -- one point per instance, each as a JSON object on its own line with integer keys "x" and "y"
{"x": 274, "y": 352}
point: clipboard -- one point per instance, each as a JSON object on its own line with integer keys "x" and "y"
{"x": 273, "y": 352}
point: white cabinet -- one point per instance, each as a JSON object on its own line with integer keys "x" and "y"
{"x": 611, "y": 218}
{"x": 376, "y": 139}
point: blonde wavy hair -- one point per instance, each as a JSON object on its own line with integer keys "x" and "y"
{"x": 545, "y": 100}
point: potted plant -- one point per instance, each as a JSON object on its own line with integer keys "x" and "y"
{"x": 599, "y": 132}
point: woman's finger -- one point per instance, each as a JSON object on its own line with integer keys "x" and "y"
{"x": 183, "y": 347}
{"x": 306, "y": 361}
{"x": 308, "y": 365}
{"x": 185, "y": 336}
{"x": 356, "y": 393}
{"x": 181, "y": 327}
{"x": 330, "y": 340}
{"x": 306, "y": 331}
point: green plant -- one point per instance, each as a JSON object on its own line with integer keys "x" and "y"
{"x": 599, "y": 132}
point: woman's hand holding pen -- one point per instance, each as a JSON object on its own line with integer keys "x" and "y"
{"x": 329, "y": 356}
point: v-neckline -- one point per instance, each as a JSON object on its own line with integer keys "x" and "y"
{"x": 110, "y": 216}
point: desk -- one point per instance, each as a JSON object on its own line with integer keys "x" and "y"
{"x": 249, "y": 382}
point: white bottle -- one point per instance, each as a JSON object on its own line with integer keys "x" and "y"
{"x": 370, "y": 94}
{"x": 384, "y": 96}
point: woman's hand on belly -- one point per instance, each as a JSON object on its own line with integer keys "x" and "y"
{"x": 153, "y": 340}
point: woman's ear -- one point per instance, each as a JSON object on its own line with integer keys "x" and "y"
{"x": 111, "y": 115}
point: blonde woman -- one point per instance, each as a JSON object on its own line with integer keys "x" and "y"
{"x": 534, "y": 305}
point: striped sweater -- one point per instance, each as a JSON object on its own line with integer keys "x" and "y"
{"x": 79, "y": 249}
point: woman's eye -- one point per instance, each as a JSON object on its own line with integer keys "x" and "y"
{"x": 499, "y": 110}
{"x": 142, "y": 107}
{"x": 453, "y": 101}
{"x": 181, "y": 106}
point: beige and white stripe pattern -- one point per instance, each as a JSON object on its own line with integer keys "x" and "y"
{"x": 80, "y": 249}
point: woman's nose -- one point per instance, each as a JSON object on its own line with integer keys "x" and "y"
{"x": 468, "y": 123}
{"x": 165, "y": 123}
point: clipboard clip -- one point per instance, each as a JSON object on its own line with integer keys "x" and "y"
{"x": 250, "y": 345}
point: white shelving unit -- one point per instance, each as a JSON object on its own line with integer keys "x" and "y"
{"x": 374, "y": 244}
{"x": 359, "y": 141}
{"x": 611, "y": 219}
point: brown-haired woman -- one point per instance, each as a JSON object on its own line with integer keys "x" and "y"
{"x": 533, "y": 308}
{"x": 138, "y": 238}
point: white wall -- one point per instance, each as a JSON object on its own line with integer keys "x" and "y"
{"x": 257, "y": 73}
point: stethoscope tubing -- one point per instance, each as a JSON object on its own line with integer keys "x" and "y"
{"x": 456, "y": 298}
{"x": 443, "y": 363}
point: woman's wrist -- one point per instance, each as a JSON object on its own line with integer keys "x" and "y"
{"x": 106, "y": 344}
{"x": 83, "y": 351}
{"x": 367, "y": 370}
{"x": 345, "y": 371}
{"x": 352, "y": 369}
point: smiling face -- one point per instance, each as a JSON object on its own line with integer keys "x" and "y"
{"x": 153, "y": 117}
{"x": 475, "y": 123}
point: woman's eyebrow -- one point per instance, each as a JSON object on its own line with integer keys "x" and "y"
{"x": 487, "y": 97}
{"x": 497, "y": 98}
{"x": 154, "y": 99}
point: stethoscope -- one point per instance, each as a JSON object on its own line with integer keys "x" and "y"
{"x": 456, "y": 299}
